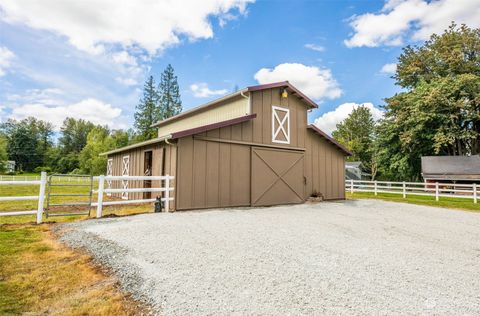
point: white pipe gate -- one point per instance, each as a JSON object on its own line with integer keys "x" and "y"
{"x": 42, "y": 183}
{"x": 434, "y": 189}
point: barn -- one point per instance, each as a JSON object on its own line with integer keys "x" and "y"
{"x": 250, "y": 148}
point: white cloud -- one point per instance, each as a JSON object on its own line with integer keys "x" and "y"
{"x": 328, "y": 121}
{"x": 94, "y": 25}
{"x": 315, "y": 47}
{"x": 389, "y": 68}
{"x": 6, "y": 57}
{"x": 417, "y": 19}
{"x": 315, "y": 82}
{"x": 201, "y": 90}
{"x": 48, "y": 105}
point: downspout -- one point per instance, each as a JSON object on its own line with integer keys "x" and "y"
{"x": 249, "y": 105}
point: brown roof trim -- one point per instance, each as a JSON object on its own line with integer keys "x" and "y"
{"x": 330, "y": 139}
{"x": 204, "y": 128}
{"x": 136, "y": 145}
{"x": 282, "y": 84}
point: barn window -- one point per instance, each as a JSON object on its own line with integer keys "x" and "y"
{"x": 280, "y": 125}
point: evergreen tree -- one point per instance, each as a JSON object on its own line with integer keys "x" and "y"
{"x": 147, "y": 112}
{"x": 169, "y": 92}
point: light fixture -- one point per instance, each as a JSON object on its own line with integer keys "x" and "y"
{"x": 284, "y": 93}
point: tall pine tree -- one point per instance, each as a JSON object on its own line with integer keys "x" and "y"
{"x": 170, "y": 103}
{"x": 147, "y": 111}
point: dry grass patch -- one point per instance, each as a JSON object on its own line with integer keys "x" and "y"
{"x": 40, "y": 276}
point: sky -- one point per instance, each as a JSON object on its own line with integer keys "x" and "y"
{"x": 89, "y": 59}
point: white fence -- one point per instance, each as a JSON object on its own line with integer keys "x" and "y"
{"x": 40, "y": 197}
{"x": 38, "y": 178}
{"x": 102, "y": 190}
{"x": 42, "y": 182}
{"x": 435, "y": 189}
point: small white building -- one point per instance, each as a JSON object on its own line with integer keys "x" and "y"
{"x": 9, "y": 166}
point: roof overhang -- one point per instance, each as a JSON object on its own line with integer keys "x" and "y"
{"x": 330, "y": 139}
{"x": 141, "y": 144}
{"x": 290, "y": 88}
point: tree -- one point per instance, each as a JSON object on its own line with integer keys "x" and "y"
{"x": 3, "y": 153}
{"x": 439, "y": 111}
{"x": 72, "y": 140}
{"x": 147, "y": 111}
{"x": 357, "y": 133}
{"x": 28, "y": 142}
{"x": 100, "y": 140}
{"x": 169, "y": 92}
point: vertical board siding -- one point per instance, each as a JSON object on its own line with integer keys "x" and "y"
{"x": 136, "y": 168}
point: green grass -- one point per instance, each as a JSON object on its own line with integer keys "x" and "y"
{"x": 445, "y": 202}
{"x": 32, "y": 190}
{"x": 38, "y": 276}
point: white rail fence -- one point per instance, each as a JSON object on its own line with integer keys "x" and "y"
{"x": 435, "y": 189}
{"x": 38, "y": 178}
{"x": 42, "y": 183}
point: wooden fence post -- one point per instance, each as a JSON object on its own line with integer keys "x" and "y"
{"x": 351, "y": 186}
{"x": 101, "y": 182}
{"x": 41, "y": 196}
{"x": 436, "y": 191}
{"x": 375, "y": 187}
{"x": 404, "y": 189}
{"x": 474, "y": 193}
{"x": 167, "y": 194}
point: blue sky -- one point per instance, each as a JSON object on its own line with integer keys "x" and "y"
{"x": 89, "y": 59}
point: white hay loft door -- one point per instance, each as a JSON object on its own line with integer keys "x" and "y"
{"x": 280, "y": 125}
{"x": 109, "y": 173}
{"x": 125, "y": 168}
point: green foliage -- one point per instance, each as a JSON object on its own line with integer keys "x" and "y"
{"x": 28, "y": 142}
{"x": 147, "y": 111}
{"x": 169, "y": 93}
{"x": 357, "y": 133}
{"x": 3, "y": 153}
{"x": 100, "y": 140}
{"x": 439, "y": 111}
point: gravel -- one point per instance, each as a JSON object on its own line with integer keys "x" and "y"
{"x": 348, "y": 257}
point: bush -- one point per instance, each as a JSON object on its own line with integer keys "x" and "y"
{"x": 42, "y": 169}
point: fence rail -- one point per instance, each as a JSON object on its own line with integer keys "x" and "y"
{"x": 99, "y": 204}
{"x": 12, "y": 178}
{"x": 434, "y": 189}
{"x": 42, "y": 182}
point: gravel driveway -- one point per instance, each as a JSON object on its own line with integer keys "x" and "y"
{"x": 349, "y": 257}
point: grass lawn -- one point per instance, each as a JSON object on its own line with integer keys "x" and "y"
{"x": 39, "y": 276}
{"x": 446, "y": 202}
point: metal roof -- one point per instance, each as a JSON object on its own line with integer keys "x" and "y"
{"x": 451, "y": 167}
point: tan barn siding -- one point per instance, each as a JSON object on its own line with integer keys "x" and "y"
{"x": 213, "y": 174}
{"x": 328, "y": 168}
{"x": 136, "y": 167}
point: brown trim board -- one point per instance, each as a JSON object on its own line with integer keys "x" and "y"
{"x": 239, "y": 142}
{"x": 205, "y": 128}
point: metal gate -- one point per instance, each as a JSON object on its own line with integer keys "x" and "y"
{"x": 69, "y": 195}
{"x": 277, "y": 176}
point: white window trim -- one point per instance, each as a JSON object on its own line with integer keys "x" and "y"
{"x": 125, "y": 182}
{"x": 109, "y": 173}
{"x": 281, "y": 126}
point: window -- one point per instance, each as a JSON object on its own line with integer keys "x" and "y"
{"x": 280, "y": 125}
